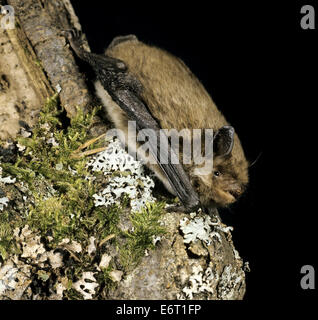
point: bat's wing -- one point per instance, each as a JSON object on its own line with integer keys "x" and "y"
{"x": 125, "y": 91}
{"x": 163, "y": 153}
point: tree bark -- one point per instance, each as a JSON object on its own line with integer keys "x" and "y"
{"x": 35, "y": 62}
{"x": 42, "y": 22}
{"x": 23, "y": 84}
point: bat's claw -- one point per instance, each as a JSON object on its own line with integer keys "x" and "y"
{"x": 74, "y": 37}
{"x": 72, "y": 34}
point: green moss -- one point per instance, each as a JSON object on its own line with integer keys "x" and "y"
{"x": 146, "y": 226}
{"x": 8, "y": 223}
{"x": 5, "y": 239}
{"x": 60, "y": 202}
{"x": 72, "y": 294}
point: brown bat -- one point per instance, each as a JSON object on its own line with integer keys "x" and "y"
{"x": 146, "y": 84}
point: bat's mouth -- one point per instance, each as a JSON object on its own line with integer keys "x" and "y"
{"x": 234, "y": 194}
{"x": 225, "y": 198}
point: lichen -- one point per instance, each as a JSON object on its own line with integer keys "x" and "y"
{"x": 229, "y": 280}
{"x": 201, "y": 228}
{"x": 129, "y": 180}
{"x": 199, "y": 281}
{"x": 86, "y": 285}
{"x": 198, "y": 228}
{"x": 5, "y": 180}
{"x": 202, "y": 235}
{"x": 51, "y": 220}
{"x": 3, "y": 202}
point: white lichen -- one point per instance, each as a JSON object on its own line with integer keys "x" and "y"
{"x": 246, "y": 266}
{"x": 116, "y": 275}
{"x": 52, "y": 141}
{"x": 24, "y": 133}
{"x": 218, "y": 225}
{"x": 72, "y": 246}
{"x": 236, "y": 254}
{"x": 7, "y": 277}
{"x": 229, "y": 280}
{"x": 91, "y": 246}
{"x": 197, "y": 228}
{"x": 202, "y": 228}
{"x": 18, "y": 270}
{"x": 130, "y": 180}
{"x": 104, "y": 261}
{"x": 86, "y": 285}
{"x": 3, "y": 202}
{"x": 59, "y": 166}
{"x": 199, "y": 282}
{"x": 205, "y": 229}
{"x": 5, "y": 180}
{"x": 56, "y": 259}
{"x": 58, "y": 88}
{"x": 58, "y": 295}
{"x": 155, "y": 239}
{"x": 20, "y": 147}
{"x": 31, "y": 245}
{"x": 15, "y": 279}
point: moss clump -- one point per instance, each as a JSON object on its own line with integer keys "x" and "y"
{"x": 61, "y": 187}
{"x": 60, "y": 201}
{"x": 145, "y": 227}
{"x": 6, "y": 235}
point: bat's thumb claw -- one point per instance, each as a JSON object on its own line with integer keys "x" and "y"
{"x": 71, "y": 34}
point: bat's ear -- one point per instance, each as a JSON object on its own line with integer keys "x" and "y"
{"x": 223, "y": 141}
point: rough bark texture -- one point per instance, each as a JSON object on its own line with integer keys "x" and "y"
{"x": 23, "y": 84}
{"x": 177, "y": 270}
{"x": 42, "y": 22}
{"x": 34, "y": 62}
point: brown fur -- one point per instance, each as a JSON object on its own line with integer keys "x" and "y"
{"x": 177, "y": 99}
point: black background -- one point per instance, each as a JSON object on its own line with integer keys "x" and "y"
{"x": 259, "y": 67}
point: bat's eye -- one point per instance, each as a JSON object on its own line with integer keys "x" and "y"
{"x": 217, "y": 173}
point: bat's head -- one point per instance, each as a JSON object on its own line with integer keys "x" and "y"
{"x": 223, "y": 182}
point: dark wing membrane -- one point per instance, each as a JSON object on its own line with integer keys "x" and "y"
{"x": 137, "y": 111}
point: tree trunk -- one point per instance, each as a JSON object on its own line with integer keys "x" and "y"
{"x": 35, "y": 62}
